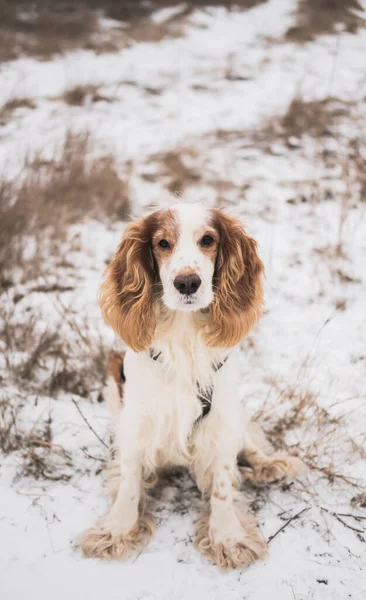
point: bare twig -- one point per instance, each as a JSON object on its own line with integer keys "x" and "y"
{"x": 336, "y": 516}
{"x": 88, "y": 424}
{"x": 139, "y": 554}
{"x": 357, "y": 517}
{"x": 271, "y": 537}
{"x": 103, "y": 460}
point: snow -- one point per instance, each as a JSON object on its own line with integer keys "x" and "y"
{"x": 229, "y": 72}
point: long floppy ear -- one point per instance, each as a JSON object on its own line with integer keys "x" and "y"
{"x": 238, "y": 284}
{"x": 126, "y": 294}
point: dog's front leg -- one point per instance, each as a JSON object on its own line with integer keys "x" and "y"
{"x": 228, "y": 537}
{"x": 122, "y": 528}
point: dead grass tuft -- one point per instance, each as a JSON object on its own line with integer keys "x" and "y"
{"x": 39, "y": 456}
{"x": 49, "y": 27}
{"x": 321, "y": 17}
{"x": 53, "y": 195}
{"x": 359, "y": 501}
{"x": 300, "y": 426}
{"x": 316, "y": 118}
{"x": 175, "y": 169}
{"x": 44, "y": 28}
{"x": 65, "y": 358}
{"x": 10, "y": 438}
{"x": 7, "y": 109}
{"x": 130, "y": 10}
{"x": 80, "y": 94}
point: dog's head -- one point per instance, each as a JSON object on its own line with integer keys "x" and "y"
{"x": 189, "y": 259}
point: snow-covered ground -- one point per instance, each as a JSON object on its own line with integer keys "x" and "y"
{"x": 216, "y": 97}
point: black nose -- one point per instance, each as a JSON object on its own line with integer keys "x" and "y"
{"x": 187, "y": 284}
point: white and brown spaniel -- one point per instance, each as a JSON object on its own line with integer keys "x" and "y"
{"x": 184, "y": 288}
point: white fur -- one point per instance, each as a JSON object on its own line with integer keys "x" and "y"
{"x": 156, "y": 425}
{"x": 187, "y": 256}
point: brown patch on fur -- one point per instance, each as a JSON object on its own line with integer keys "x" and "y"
{"x": 115, "y": 369}
{"x": 167, "y": 229}
{"x": 131, "y": 285}
{"x": 219, "y": 496}
{"x": 237, "y": 282}
{"x": 231, "y": 553}
{"x": 210, "y": 251}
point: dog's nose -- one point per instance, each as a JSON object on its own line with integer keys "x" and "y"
{"x": 187, "y": 284}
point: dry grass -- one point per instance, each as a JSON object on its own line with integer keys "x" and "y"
{"x": 79, "y": 95}
{"x": 316, "y": 118}
{"x": 44, "y": 29}
{"x": 51, "y": 196}
{"x": 295, "y": 422}
{"x": 49, "y": 27}
{"x": 44, "y": 362}
{"x": 39, "y": 456}
{"x": 320, "y": 17}
{"x": 64, "y": 357}
{"x": 130, "y": 10}
{"x": 175, "y": 170}
{"x": 7, "y": 109}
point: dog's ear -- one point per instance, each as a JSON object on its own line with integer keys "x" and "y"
{"x": 237, "y": 282}
{"x": 126, "y": 294}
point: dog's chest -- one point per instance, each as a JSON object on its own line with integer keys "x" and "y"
{"x": 174, "y": 409}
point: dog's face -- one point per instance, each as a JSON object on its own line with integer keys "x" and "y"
{"x": 187, "y": 258}
{"x": 184, "y": 244}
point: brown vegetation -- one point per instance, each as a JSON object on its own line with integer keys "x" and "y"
{"x": 320, "y": 17}
{"x": 174, "y": 170}
{"x": 40, "y": 457}
{"x": 55, "y": 26}
{"x": 52, "y": 195}
{"x": 77, "y": 95}
{"x": 300, "y": 426}
{"x": 50, "y": 359}
{"x": 46, "y": 29}
{"x": 7, "y": 109}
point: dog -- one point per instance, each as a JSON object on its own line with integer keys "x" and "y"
{"x": 183, "y": 289}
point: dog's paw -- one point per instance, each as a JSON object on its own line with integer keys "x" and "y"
{"x": 240, "y": 549}
{"x": 105, "y": 541}
{"x": 278, "y": 468}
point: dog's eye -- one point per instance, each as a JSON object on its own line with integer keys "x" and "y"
{"x": 207, "y": 241}
{"x": 164, "y": 244}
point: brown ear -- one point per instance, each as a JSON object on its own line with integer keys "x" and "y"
{"x": 237, "y": 283}
{"x": 126, "y": 294}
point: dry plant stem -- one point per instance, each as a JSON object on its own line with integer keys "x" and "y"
{"x": 88, "y": 424}
{"x": 338, "y": 517}
{"x": 345, "y": 206}
{"x": 271, "y": 537}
